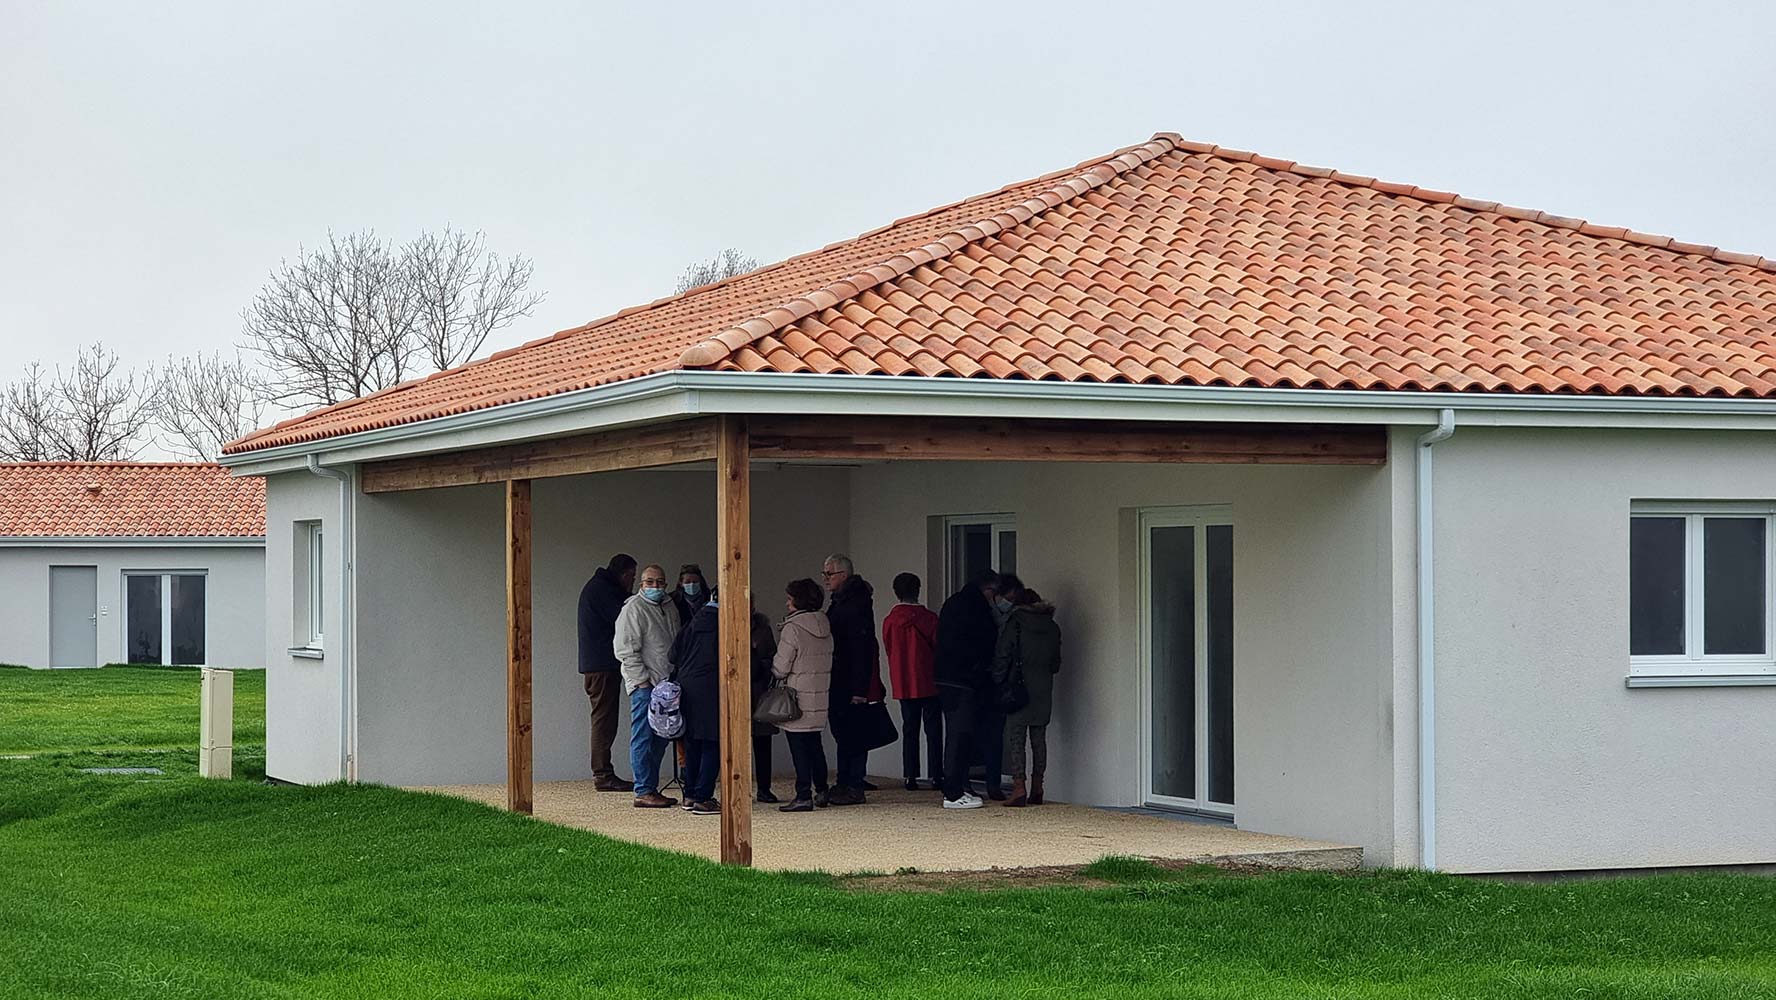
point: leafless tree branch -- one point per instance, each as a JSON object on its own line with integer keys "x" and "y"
{"x": 726, "y": 264}
{"x": 93, "y": 412}
{"x": 205, "y": 401}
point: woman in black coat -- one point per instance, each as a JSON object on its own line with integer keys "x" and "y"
{"x": 764, "y": 650}
{"x": 695, "y": 659}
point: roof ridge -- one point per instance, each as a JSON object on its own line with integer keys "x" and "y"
{"x": 713, "y": 349}
{"x": 1472, "y": 204}
{"x": 574, "y": 331}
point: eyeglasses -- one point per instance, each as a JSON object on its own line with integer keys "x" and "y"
{"x": 830, "y": 573}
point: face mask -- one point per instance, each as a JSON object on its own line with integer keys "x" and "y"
{"x": 692, "y": 589}
{"x": 1003, "y": 605}
{"x": 653, "y": 595}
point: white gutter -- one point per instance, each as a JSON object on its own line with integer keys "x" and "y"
{"x": 348, "y": 766}
{"x": 683, "y": 393}
{"x": 1427, "y": 645}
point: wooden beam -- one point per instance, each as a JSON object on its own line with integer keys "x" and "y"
{"x": 855, "y": 438}
{"x": 733, "y": 504}
{"x": 606, "y": 451}
{"x": 518, "y": 742}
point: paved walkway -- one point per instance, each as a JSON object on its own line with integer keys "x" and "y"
{"x": 898, "y": 829}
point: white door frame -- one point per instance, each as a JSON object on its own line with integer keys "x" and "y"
{"x": 1199, "y": 517}
{"x": 997, "y": 522}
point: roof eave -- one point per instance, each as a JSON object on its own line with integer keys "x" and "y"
{"x": 677, "y": 394}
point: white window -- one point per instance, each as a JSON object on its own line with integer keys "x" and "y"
{"x": 978, "y": 542}
{"x": 308, "y": 624}
{"x": 164, "y": 617}
{"x": 1699, "y": 601}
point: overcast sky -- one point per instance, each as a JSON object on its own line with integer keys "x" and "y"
{"x": 157, "y": 159}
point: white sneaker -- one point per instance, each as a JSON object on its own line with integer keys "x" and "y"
{"x": 967, "y": 801}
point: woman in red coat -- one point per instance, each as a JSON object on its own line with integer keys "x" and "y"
{"x": 909, "y": 634}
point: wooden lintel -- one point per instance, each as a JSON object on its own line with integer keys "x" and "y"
{"x": 733, "y": 504}
{"x": 605, "y": 451}
{"x": 850, "y": 438}
{"x": 518, "y": 727}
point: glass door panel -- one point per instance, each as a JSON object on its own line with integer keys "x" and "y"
{"x": 1188, "y": 659}
{"x": 1171, "y": 606}
{"x": 1218, "y": 596}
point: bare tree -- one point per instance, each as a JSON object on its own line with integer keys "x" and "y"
{"x": 26, "y": 412}
{"x": 94, "y": 412}
{"x": 205, "y": 401}
{"x": 463, "y": 293}
{"x": 707, "y": 272}
{"x": 361, "y": 314}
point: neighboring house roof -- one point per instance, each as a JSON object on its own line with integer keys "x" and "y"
{"x": 128, "y": 500}
{"x": 1181, "y": 263}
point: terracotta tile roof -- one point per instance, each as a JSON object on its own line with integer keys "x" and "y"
{"x": 1176, "y": 262}
{"x": 128, "y": 499}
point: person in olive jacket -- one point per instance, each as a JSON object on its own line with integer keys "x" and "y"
{"x": 601, "y": 600}
{"x": 1029, "y": 652}
{"x": 856, "y": 672}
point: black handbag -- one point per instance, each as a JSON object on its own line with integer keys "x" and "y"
{"x": 1014, "y": 694}
{"x": 868, "y": 726}
{"x": 777, "y": 705}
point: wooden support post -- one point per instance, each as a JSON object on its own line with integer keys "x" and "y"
{"x": 733, "y": 503}
{"x": 518, "y": 783}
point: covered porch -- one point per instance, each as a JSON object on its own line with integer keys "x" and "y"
{"x": 472, "y": 558}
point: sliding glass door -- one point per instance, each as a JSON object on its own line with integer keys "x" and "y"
{"x": 164, "y": 617}
{"x": 1187, "y": 657}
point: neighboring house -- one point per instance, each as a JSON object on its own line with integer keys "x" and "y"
{"x": 131, "y": 562}
{"x": 1194, "y": 396}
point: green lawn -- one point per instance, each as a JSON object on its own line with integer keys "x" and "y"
{"x": 116, "y": 886}
{"x": 117, "y": 708}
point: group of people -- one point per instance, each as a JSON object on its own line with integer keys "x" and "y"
{"x": 976, "y": 677}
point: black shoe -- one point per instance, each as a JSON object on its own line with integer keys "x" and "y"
{"x": 765, "y": 795}
{"x": 798, "y": 806}
{"x": 846, "y": 796}
{"x": 996, "y": 794}
{"x": 869, "y": 786}
{"x": 822, "y": 799}
{"x": 912, "y": 784}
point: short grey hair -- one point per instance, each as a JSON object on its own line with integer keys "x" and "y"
{"x": 841, "y": 560}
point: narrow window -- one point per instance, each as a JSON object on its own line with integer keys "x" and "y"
{"x": 308, "y": 586}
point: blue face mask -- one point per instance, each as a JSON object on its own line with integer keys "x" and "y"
{"x": 653, "y": 595}
{"x": 692, "y": 589}
{"x": 1004, "y": 605}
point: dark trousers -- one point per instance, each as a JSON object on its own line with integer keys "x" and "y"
{"x": 809, "y": 755}
{"x": 761, "y": 761}
{"x": 913, "y": 711}
{"x": 604, "y": 690}
{"x": 853, "y": 768}
{"x": 702, "y": 765}
{"x": 989, "y": 741}
{"x": 958, "y": 738}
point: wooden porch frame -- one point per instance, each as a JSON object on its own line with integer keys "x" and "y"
{"x": 734, "y": 442}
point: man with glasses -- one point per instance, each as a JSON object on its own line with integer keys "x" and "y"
{"x": 645, "y": 631}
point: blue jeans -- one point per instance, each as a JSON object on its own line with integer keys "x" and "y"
{"x": 645, "y": 749}
{"x": 702, "y": 767}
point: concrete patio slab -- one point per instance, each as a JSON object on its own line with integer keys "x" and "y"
{"x": 899, "y": 830}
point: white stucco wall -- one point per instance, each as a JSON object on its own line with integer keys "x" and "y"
{"x": 431, "y": 638}
{"x": 1545, "y": 759}
{"x": 234, "y": 594}
{"x": 302, "y": 696}
{"x": 1315, "y": 569}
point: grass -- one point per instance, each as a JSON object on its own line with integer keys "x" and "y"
{"x": 117, "y": 708}
{"x": 176, "y": 887}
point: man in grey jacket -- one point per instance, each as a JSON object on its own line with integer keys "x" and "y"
{"x": 646, "y": 627}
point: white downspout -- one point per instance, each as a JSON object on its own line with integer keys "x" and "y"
{"x": 1427, "y": 647}
{"x": 348, "y": 765}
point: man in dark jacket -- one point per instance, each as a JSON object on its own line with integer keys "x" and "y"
{"x": 856, "y": 671}
{"x": 601, "y": 599}
{"x": 966, "y": 635}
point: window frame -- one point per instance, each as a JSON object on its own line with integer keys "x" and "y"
{"x": 1693, "y": 663}
{"x": 166, "y": 613}
{"x": 996, "y": 523}
{"x": 308, "y": 588}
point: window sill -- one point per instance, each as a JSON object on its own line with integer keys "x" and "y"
{"x": 307, "y": 652}
{"x": 1700, "y": 680}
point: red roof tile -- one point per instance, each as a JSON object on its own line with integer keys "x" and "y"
{"x": 128, "y": 500}
{"x": 1175, "y": 262}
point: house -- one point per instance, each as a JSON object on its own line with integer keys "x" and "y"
{"x": 131, "y": 562}
{"x": 1374, "y": 514}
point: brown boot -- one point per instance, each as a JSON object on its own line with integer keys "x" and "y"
{"x": 1036, "y": 789}
{"x": 654, "y": 800}
{"x": 1018, "y": 798}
